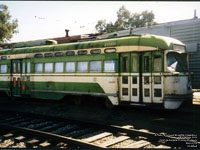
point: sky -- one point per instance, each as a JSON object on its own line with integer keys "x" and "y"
{"x": 49, "y": 19}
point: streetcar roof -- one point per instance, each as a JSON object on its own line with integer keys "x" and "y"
{"x": 145, "y": 40}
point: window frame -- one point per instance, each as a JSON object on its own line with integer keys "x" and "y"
{"x": 6, "y": 68}
{"x": 95, "y": 70}
{"x": 86, "y": 71}
{"x": 65, "y": 65}
{"x": 42, "y": 68}
{"x": 62, "y": 67}
{"x": 52, "y": 67}
{"x": 115, "y": 66}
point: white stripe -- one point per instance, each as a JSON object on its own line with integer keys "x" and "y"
{"x": 74, "y": 92}
{"x": 73, "y": 74}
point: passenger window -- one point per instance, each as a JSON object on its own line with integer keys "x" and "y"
{"x": 14, "y": 67}
{"x": 95, "y": 51}
{"x": 28, "y": 67}
{"x": 157, "y": 80}
{"x": 146, "y": 63}
{"x": 70, "y": 53}
{"x": 124, "y": 64}
{"x": 157, "y": 63}
{"x": 83, "y": 52}
{"x": 134, "y": 63}
{"x": 95, "y": 66}
{"x": 19, "y": 68}
{"x": 109, "y": 66}
{"x": 38, "y": 67}
{"x": 146, "y": 80}
{"x": 82, "y": 67}
{"x": 134, "y": 91}
{"x": 3, "y": 68}
{"x": 23, "y": 67}
{"x": 3, "y": 57}
{"x": 134, "y": 80}
{"x": 48, "y": 55}
{"x": 146, "y": 92}
{"x": 125, "y": 91}
{"x": 158, "y": 92}
{"x": 70, "y": 67}
{"x": 110, "y": 50}
{"x": 124, "y": 79}
{"x": 48, "y": 67}
{"x": 38, "y": 55}
{"x": 59, "y": 67}
{"x": 59, "y": 54}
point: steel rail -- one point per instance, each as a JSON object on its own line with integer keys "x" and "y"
{"x": 51, "y": 136}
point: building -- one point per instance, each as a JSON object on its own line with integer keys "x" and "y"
{"x": 187, "y": 31}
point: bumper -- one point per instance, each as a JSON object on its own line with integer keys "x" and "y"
{"x": 175, "y": 101}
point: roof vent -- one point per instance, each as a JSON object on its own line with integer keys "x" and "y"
{"x": 67, "y": 33}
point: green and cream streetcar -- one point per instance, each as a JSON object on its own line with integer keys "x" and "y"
{"x": 133, "y": 70}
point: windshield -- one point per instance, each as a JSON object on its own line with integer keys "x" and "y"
{"x": 177, "y": 62}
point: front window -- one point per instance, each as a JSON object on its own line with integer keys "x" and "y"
{"x": 177, "y": 62}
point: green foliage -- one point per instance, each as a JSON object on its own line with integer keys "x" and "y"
{"x": 7, "y": 26}
{"x": 125, "y": 20}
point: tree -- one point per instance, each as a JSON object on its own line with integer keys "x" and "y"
{"x": 8, "y": 27}
{"x": 126, "y": 20}
{"x": 123, "y": 17}
{"x": 101, "y": 26}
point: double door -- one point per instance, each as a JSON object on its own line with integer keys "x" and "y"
{"x": 141, "y": 78}
{"x": 20, "y": 77}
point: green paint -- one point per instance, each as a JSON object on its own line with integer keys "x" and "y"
{"x": 5, "y": 84}
{"x": 63, "y": 86}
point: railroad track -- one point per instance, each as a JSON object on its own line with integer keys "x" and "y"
{"x": 42, "y": 131}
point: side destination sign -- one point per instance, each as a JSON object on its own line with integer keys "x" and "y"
{"x": 110, "y": 43}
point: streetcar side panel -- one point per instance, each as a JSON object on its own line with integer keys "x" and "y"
{"x": 56, "y": 77}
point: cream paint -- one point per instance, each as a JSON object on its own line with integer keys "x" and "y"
{"x": 176, "y": 85}
{"x": 4, "y": 78}
{"x": 108, "y": 84}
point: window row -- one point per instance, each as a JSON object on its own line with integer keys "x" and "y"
{"x": 26, "y": 67}
{"x": 72, "y": 53}
{"x": 94, "y": 66}
{"x": 157, "y": 92}
{"x": 156, "y": 66}
{"x": 157, "y": 80}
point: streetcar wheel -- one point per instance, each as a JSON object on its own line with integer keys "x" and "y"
{"x": 108, "y": 104}
{"x": 12, "y": 98}
{"x": 78, "y": 101}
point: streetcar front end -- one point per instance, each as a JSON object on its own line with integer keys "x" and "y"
{"x": 177, "y": 78}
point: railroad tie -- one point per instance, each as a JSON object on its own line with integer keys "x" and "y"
{"x": 45, "y": 144}
{"x": 97, "y": 137}
{"x": 115, "y": 141}
{"x": 138, "y": 144}
{"x": 163, "y": 146}
{"x": 19, "y": 138}
{"x": 32, "y": 142}
{"x": 7, "y": 136}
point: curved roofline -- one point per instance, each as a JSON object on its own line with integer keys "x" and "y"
{"x": 160, "y": 42}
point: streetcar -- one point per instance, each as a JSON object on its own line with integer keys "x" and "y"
{"x": 143, "y": 70}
